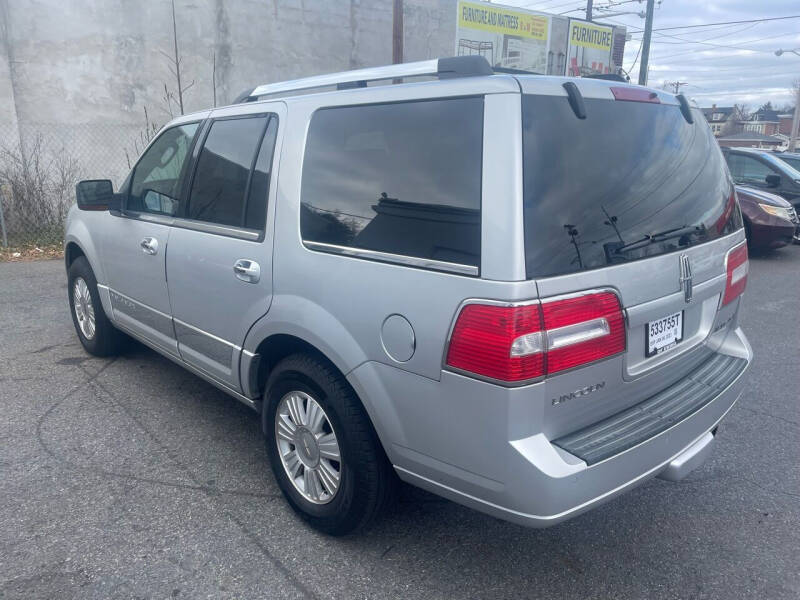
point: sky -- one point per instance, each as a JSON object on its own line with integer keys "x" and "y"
{"x": 734, "y": 64}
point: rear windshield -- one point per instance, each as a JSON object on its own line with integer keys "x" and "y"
{"x": 630, "y": 181}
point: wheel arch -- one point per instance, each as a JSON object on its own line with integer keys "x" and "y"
{"x": 78, "y": 242}
{"x": 72, "y": 250}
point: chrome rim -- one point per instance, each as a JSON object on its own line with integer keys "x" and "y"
{"x": 84, "y": 309}
{"x": 308, "y": 447}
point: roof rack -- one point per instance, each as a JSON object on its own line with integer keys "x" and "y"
{"x": 443, "y": 68}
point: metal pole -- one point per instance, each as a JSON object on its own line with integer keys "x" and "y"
{"x": 397, "y": 31}
{"x": 589, "y": 10}
{"x": 3, "y": 222}
{"x": 648, "y": 31}
{"x": 795, "y": 123}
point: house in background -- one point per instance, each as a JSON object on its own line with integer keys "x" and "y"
{"x": 718, "y": 117}
{"x": 785, "y": 122}
{"x": 764, "y": 121}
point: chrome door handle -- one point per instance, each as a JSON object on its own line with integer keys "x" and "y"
{"x": 149, "y": 245}
{"x": 247, "y": 270}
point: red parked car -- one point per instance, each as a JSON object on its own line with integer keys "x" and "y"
{"x": 769, "y": 220}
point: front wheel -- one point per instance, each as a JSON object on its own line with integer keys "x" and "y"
{"x": 325, "y": 454}
{"x": 96, "y": 333}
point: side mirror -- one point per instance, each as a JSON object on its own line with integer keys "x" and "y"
{"x": 773, "y": 181}
{"x": 94, "y": 194}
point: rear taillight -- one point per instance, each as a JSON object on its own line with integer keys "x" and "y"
{"x": 529, "y": 341}
{"x": 501, "y": 342}
{"x": 583, "y": 329}
{"x": 736, "y": 267}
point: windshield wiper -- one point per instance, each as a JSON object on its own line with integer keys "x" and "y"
{"x": 662, "y": 236}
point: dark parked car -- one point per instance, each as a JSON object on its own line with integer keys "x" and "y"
{"x": 769, "y": 220}
{"x": 764, "y": 170}
{"x": 790, "y": 158}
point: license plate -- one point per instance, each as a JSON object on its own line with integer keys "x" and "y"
{"x": 663, "y": 334}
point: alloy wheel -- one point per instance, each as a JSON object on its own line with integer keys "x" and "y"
{"x": 308, "y": 447}
{"x": 84, "y": 309}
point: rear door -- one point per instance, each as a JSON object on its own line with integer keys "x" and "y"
{"x": 135, "y": 243}
{"x": 219, "y": 266}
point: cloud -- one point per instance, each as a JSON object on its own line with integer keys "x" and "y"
{"x": 734, "y": 63}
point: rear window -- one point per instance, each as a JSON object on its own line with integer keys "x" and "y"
{"x": 630, "y": 181}
{"x": 401, "y": 179}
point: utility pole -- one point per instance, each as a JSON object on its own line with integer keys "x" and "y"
{"x": 675, "y": 85}
{"x": 397, "y": 31}
{"x": 588, "y": 10}
{"x": 648, "y": 32}
{"x": 796, "y": 118}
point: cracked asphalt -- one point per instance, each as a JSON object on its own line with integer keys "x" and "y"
{"x": 132, "y": 478}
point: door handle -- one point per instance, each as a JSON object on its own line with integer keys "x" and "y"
{"x": 247, "y": 270}
{"x": 149, "y": 245}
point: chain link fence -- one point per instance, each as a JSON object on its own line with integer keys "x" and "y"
{"x": 39, "y": 167}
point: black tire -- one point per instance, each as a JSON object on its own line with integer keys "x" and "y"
{"x": 107, "y": 340}
{"x": 367, "y": 479}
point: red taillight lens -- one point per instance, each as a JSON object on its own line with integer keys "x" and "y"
{"x": 518, "y": 343}
{"x": 582, "y": 330}
{"x": 736, "y": 267}
{"x": 483, "y": 338}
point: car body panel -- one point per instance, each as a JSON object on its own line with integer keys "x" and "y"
{"x": 765, "y": 230}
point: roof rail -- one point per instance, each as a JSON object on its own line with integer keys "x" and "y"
{"x": 456, "y": 66}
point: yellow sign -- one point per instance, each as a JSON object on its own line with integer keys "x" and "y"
{"x": 589, "y": 35}
{"x": 496, "y": 19}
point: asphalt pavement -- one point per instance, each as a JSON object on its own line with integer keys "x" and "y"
{"x": 132, "y": 478}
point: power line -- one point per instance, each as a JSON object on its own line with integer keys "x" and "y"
{"x": 695, "y": 50}
{"x": 729, "y": 23}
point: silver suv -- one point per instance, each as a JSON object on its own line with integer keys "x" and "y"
{"x": 517, "y": 292}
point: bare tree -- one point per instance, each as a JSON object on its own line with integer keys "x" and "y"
{"x": 735, "y": 122}
{"x": 141, "y": 141}
{"x": 175, "y": 63}
{"x": 38, "y": 184}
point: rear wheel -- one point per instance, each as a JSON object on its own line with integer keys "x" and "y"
{"x": 325, "y": 454}
{"x": 96, "y": 333}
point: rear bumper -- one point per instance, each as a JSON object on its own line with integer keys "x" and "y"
{"x": 447, "y": 441}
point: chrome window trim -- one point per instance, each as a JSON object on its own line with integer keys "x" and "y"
{"x": 156, "y": 218}
{"x": 250, "y": 235}
{"x": 398, "y": 259}
{"x": 241, "y": 233}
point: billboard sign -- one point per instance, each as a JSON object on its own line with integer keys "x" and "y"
{"x": 506, "y": 37}
{"x": 589, "y": 48}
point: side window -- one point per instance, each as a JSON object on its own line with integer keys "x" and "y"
{"x": 402, "y": 178}
{"x": 223, "y": 171}
{"x": 155, "y": 187}
{"x": 735, "y": 165}
{"x": 754, "y": 170}
{"x": 256, "y": 206}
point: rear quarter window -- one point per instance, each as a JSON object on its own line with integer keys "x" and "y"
{"x": 400, "y": 179}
